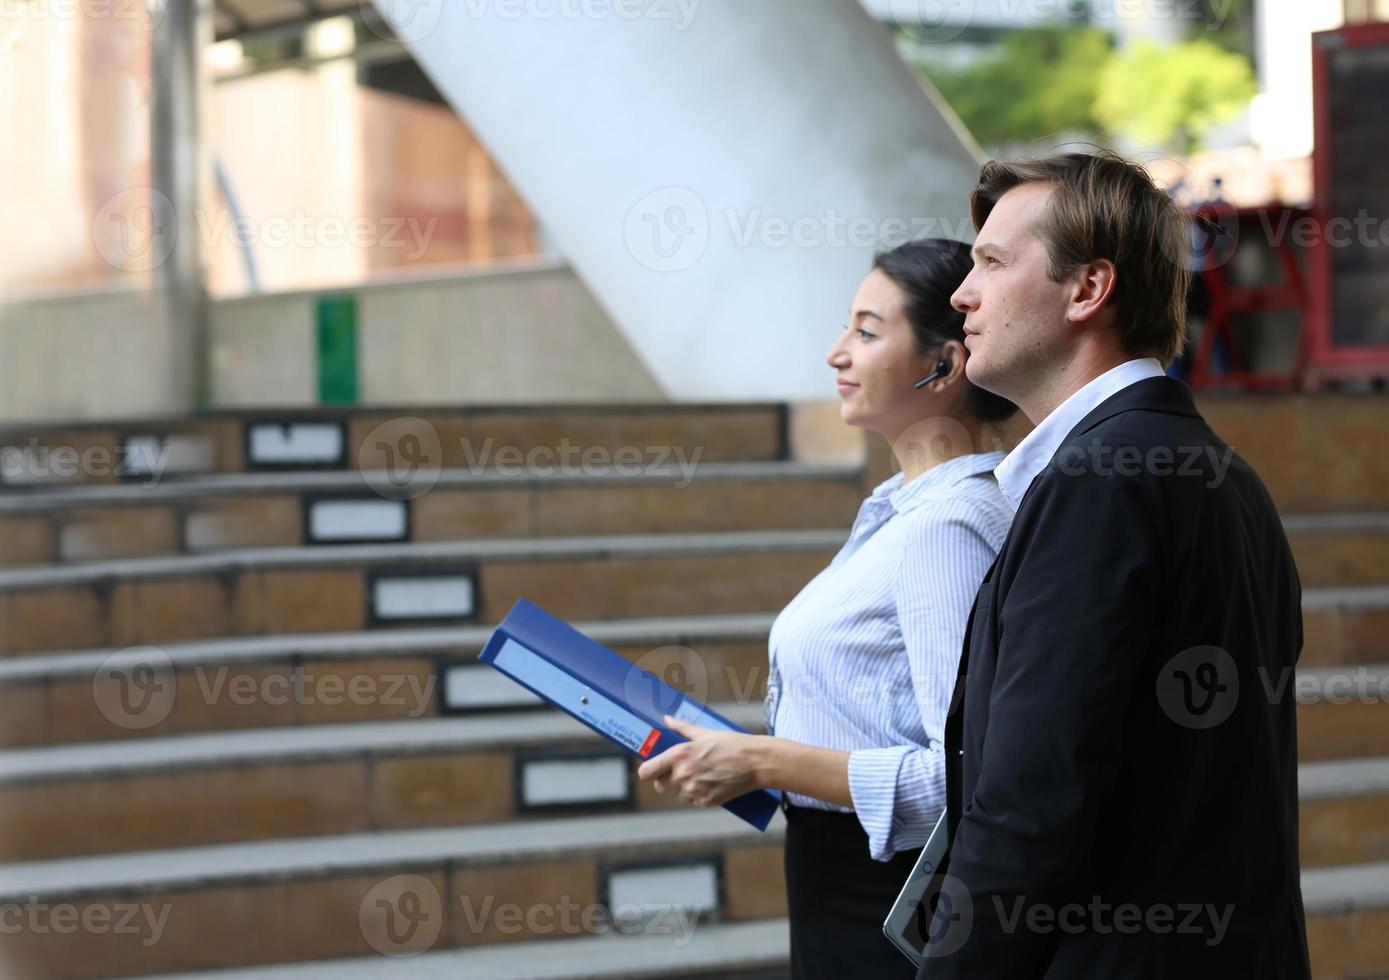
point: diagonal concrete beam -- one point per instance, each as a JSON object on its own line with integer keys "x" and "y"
{"x": 719, "y": 173}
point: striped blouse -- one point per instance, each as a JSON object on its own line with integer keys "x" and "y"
{"x": 864, "y": 659}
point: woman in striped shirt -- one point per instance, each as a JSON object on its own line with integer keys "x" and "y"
{"x": 863, "y": 660}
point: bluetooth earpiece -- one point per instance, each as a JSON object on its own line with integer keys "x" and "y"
{"x": 942, "y": 369}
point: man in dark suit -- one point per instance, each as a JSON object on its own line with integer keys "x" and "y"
{"x": 1122, "y": 771}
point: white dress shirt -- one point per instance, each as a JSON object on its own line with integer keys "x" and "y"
{"x": 864, "y": 659}
{"x": 1030, "y": 456}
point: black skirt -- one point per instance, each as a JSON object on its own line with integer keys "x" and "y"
{"x": 837, "y": 897}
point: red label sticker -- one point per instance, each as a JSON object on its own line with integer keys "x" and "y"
{"x": 650, "y": 743}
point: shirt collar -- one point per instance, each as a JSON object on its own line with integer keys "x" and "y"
{"x": 935, "y": 482}
{"x": 1016, "y": 473}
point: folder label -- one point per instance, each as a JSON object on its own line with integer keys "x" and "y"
{"x": 571, "y": 694}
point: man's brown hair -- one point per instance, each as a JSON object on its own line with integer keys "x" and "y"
{"x": 1105, "y": 207}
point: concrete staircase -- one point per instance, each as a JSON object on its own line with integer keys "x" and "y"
{"x": 231, "y": 741}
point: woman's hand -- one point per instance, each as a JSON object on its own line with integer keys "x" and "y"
{"x": 711, "y": 768}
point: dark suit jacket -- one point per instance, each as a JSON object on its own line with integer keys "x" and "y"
{"x": 1122, "y": 747}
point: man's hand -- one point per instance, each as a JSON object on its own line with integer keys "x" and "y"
{"x": 708, "y": 770}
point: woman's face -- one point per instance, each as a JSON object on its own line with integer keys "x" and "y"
{"x": 876, "y": 361}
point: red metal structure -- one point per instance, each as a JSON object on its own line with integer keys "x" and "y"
{"x": 1348, "y": 326}
{"x": 1230, "y": 297}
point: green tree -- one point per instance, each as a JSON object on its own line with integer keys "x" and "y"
{"x": 1173, "y": 94}
{"x": 1041, "y": 82}
{"x": 1229, "y": 23}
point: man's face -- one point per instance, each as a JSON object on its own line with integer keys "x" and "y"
{"x": 1016, "y": 327}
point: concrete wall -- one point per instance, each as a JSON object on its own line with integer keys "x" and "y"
{"x": 84, "y": 356}
{"x": 526, "y": 333}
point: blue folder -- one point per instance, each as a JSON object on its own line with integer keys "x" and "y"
{"x": 606, "y": 692}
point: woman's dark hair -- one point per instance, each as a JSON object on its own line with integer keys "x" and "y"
{"x": 928, "y": 271}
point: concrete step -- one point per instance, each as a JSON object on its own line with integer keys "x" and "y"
{"x": 1348, "y": 921}
{"x": 303, "y": 910}
{"x": 1336, "y": 550}
{"x": 284, "y": 681}
{"x": 1345, "y": 626}
{"x": 344, "y": 438}
{"x": 348, "y": 587}
{"x": 392, "y": 893}
{"x": 1344, "y": 811}
{"x": 730, "y": 951}
{"x": 1341, "y": 950}
{"x": 1343, "y": 712}
{"x": 296, "y": 679}
{"x": 285, "y": 510}
{"x": 330, "y": 678}
{"x": 224, "y": 787}
{"x": 328, "y": 779}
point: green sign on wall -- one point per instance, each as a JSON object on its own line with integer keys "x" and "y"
{"x": 337, "y": 350}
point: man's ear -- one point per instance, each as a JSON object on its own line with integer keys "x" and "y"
{"x": 1092, "y": 287}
